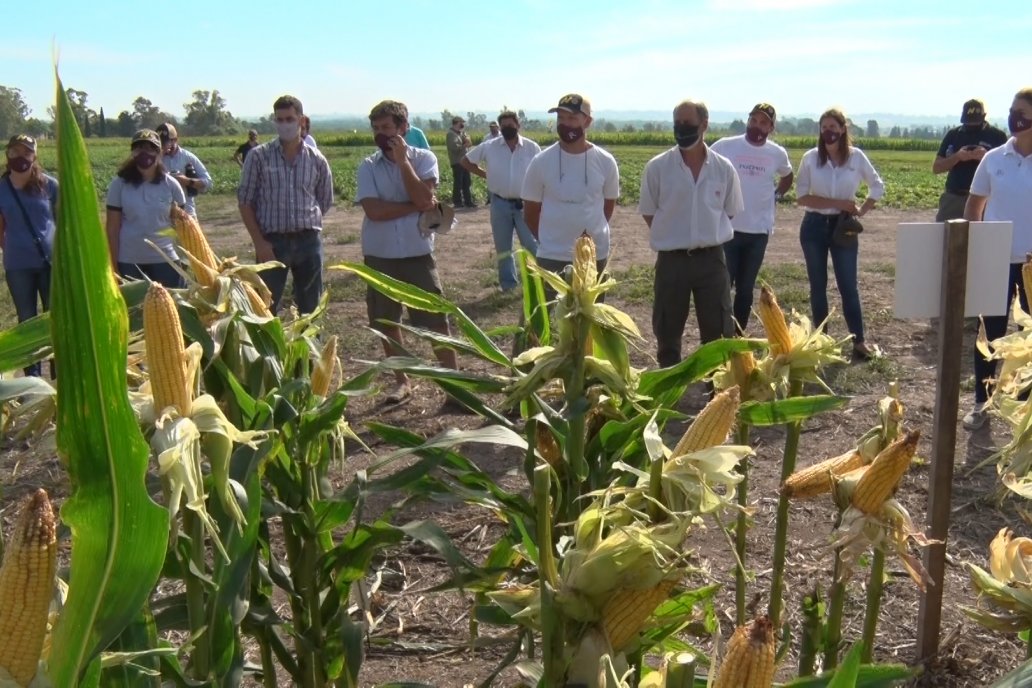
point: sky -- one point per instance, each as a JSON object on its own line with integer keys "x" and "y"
{"x": 910, "y": 57}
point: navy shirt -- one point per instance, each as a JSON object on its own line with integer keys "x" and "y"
{"x": 20, "y": 249}
{"x": 958, "y": 179}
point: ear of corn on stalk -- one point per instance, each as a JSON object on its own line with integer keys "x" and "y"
{"x": 749, "y": 662}
{"x": 166, "y": 356}
{"x": 627, "y": 610}
{"x": 259, "y": 305}
{"x": 325, "y": 367}
{"x": 774, "y": 323}
{"x": 881, "y": 478}
{"x": 817, "y": 479}
{"x": 713, "y": 424}
{"x": 547, "y": 446}
{"x": 26, "y": 587}
{"x": 190, "y": 236}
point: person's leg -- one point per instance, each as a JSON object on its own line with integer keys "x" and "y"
{"x": 996, "y": 327}
{"x": 422, "y": 272}
{"x": 527, "y": 239}
{"x": 467, "y": 188}
{"x": 162, "y": 273}
{"x": 670, "y": 304}
{"x": 732, "y": 256}
{"x": 276, "y": 278}
{"x": 502, "y": 221}
{"x": 951, "y": 206}
{"x": 712, "y": 292}
{"x": 456, "y": 194}
{"x": 43, "y": 288}
{"x": 814, "y": 238}
{"x": 307, "y": 271}
{"x": 556, "y": 266}
{"x": 22, "y": 285}
{"x": 844, "y": 260}
{"x": 384, "y": 313}
{"x": 754, "y": 248}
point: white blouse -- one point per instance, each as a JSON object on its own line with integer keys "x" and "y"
{"x": 839, "y": 182}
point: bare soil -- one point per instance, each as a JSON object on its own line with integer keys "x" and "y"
{"x": 424, "y": 637}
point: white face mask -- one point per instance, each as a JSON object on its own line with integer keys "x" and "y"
{"x": 288, "y": 131}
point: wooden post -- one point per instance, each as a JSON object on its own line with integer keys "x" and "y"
{"x": 944, "y": 430}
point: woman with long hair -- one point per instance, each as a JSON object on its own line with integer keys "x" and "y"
{"x": 139, "y": 204}
{"x": 829, "y": 177}
{"x": 1001, "y": 190}
{"x": 28, "y": 202}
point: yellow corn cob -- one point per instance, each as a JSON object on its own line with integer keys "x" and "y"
{"x": 774, "y": 323}
{"x": 192, "y": 238}
{"x": 585, "y": 268}
{"x": 880, "y": 479}
{"x": 713, "y": 424}
{"x": 817, "y": 479}
{"x": 166, "y": 355}
{"x": 1026, "y": 278}
{"x": 323, "y": 373}
{"x": 259, "y": 305}
{"x": 749, "y": 662}
{"x": 205, "y": 275}
{"x": 626, "y": 611}
{"x": 743, "y": 363}
{"x": 26, "y": 586}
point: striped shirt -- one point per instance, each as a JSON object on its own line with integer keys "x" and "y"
{"x": 286, "y": 197}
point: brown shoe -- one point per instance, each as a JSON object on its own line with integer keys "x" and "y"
{"x": 400, "y": 393}
{"x": 862, "y": 352}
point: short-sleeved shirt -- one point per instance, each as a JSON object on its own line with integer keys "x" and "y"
{"x": 176, "y": 164}
{"x": 1004, "y": 176}
{"x": 958, "y": 179}
{"x": 689, "y": 213}
{"x": 759, "y": 168}
{"x": 244, "y": 149}
{"x": 145, "y": 213}
{"x": 287, "y": 197}
{"x": 571, "y": 188}
{"x": 505, "y": 168}
{"x": 380, "y": 178}
{"x": 416, "y": 138}
{"x": 838, "y": 182}
{"x": 20, "y": 247}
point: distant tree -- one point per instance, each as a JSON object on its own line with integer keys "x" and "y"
{"x": 609, "y": 127}
{"x": 147, "y": 115}
{"x": 77, "y": 99}
{"x": 207, "y": 115}
{"x": 807, "y": 127}
{"x": 125, "y": 124}
{"x": 13, "y": 112}
{"x": 417, "y": 122}
{"x": 895, "y": 132}
{"x": 736, "y": 127}
{"x": 37, "y": 127}
{"x": 628, "y": 128}
{"x": 521, "y": 114}
{"x": 873, "y": 131}
{"x": 446, "y": 118}
{"x": 854, "y": 130}
{"x": 476, "y": 120}
{"x": 101, "y": 124}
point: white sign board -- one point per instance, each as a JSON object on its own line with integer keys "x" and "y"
{"x": 919, "y": 247}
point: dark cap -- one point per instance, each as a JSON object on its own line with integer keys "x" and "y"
{"x": 22, "y": 140}
{"x": 973, "y": 113}
{"x": 456, "y": 119}
{"x": 573, "y": 102}
{"x": 147, "y": 136}
{"x": 765, "y": 108}
{"x": 167, "y": 131}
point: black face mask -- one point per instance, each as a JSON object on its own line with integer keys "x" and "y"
{"x": 687, "y": 135}
{"x": 510, "y": 133}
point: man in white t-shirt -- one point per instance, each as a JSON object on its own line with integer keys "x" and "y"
{"x": 570, "y": 188}
{"x": 507, "y": 158}
{"x": 765, "y": 173}
{"x": 688, "y": 196}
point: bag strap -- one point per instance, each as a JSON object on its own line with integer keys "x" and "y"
{"x": 36, "y": 238}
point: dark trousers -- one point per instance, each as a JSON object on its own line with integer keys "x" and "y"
{"x": 996, "y": 327}
{"x": 951, "y": 206}
{"x": 815, "y": 238}
{"x": 302, "y": 255}
{"x": 681, "y": 276}
{"x": 162, "y": 273}
{"x": 29, "y": 288}
{"x": 461, "y": 180}
{"x": 744, "y": 255}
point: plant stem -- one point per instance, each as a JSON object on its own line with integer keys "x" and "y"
{"x": 874, "y": 594}
{"x": 552, "y": 627}
{"x": 195, "y": 606}
{"x": 310, "y": 555}
{"x": 740, "y": 528}
{"x": 656, "y": 514}
{"x": 810, "y": 641}
{"x": 295, "y": 556}
{"x": 836, "y": 604}
{"x": 681, "y": 671}
{"x": 576, "y": 467}
{"x": 781, "y": 529}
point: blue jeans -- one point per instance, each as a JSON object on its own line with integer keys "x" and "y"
{"x": 505, "y": 217}
{"x": 744, "y": 255}
{"x": 815, "y": 238}
{"x": 302, "y": 254}
{"x": 162, "y": 273}
{"x": 28, "y": 286}
{"x": 996, "y": 327}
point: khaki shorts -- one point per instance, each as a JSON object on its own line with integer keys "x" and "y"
{"x": 951, "y": 206}
{"x": 420, "y": 271}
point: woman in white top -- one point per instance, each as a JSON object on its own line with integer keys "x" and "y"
{"x": 1002, "y": 190}
{"x": 829, "y": 178}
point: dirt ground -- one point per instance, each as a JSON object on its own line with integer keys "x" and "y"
{"x": 424, "y": 636}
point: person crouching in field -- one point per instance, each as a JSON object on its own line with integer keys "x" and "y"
{"x": 688, "y": 196}
{"x": 396, "y": 184}
{"x": 829, "y": 177}
{"x": 1001, "y": 190}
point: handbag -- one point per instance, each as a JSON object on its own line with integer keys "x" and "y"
{"x": 847, "y": 228}
{"x": 37, "y": 239}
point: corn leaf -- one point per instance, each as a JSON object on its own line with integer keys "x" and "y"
{"x": 791, "y": 410}
{"x": 119, "y": 535}
{"x": 25, "y": 343}
{"x": 1022, "y": 676}
{"x": 667, "y": 385}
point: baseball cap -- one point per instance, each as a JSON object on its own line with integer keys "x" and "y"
{"x": 573, "y": 102}
{"x": 22, "y": 140}
{"x": 438, "y": 220}
{"x": 147, "y": 136}
{"x": 974, "y": 112}
{"x": 167, "y": 131}
{"x": 456, "y": 119}
{"x": 765, "y": 108}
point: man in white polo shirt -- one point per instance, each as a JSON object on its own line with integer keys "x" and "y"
{"x": 688, "y": 196}
{"x": 507, "y": 158}
{"x": 765, "y": 173}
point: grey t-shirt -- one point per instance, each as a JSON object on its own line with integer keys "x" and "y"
{"x": 145, "y": 212}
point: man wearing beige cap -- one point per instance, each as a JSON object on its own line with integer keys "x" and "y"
{"x": 570, "y": 188}
{"x": 458, "y": 143}
{"x": 959, "y": 153}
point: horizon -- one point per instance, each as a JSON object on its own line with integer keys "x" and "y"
{"x": 869, "y": 57}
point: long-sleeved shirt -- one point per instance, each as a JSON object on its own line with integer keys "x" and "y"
{"x": 286, "y": 197}
{"x": 176, "y": 164}
{"x": 829, "y": 181}
{"x": 456, "y": 141}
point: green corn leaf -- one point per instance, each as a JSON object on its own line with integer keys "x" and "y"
{"x": 667, "y": 385}
{"x": 25, "y": 343}
{"x": 791, "y": 410}
{"x": 1022, "y": 676}
{"x": 119, "y": 535}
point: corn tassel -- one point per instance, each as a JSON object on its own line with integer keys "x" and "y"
{"x": 817, "y": 479}
{"x": 627, "y": 610}
{"x": 749, "y": 662}
{"x": 26, "y": 587}
{"x": 259, "y": 305}
{"x": 190, "y": 236}
{"x": 166, "y": 355}
{"x": 324, "y": 369}
{"x": 713, "y": 424}
{"x": 774, "y": 323}
{"x": 882, "y": 477}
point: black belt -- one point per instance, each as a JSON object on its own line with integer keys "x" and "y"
{"x": 508, "y": 200}
{"x": 693, "y": 251}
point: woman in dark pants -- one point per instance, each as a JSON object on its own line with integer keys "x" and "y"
{"x": 829, "y": 178}
{"x": 28, "y": 199}
{"x": 1000, "y": 191}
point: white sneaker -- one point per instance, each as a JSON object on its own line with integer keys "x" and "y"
{"x": 977, "y": 416}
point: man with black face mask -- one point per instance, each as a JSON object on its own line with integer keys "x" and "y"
{"x": 507, "y": 158}
{"x": 688, "y": 196}
{"x": 959, "y": 154}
